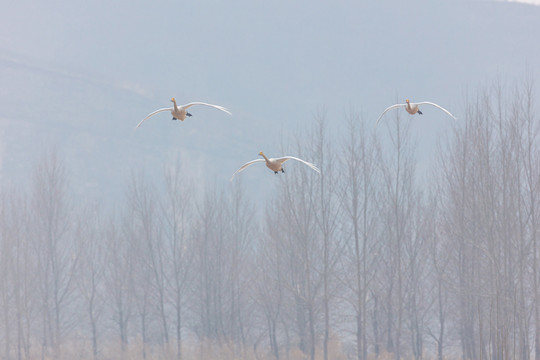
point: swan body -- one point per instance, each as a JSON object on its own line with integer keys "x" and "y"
{"x": 180, "y": 112}
{"x": 275, "y": 164}
{"x": 412, "y": 108}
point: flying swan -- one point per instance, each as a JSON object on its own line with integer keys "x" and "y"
{"x": 412, "y": 108}
{"x": 180, "y": 112}
{"x": 275, "y": 164}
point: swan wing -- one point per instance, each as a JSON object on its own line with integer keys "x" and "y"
{"x": 245, "y": 166}
{"x": 388, "y": 108}
{"x": 206, "y": 104}
{"x": 437, "y": 106}
{"x": 152, "y": 114}
{"x": 281, "y": 160}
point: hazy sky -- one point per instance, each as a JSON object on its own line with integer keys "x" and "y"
{"x": 532, "y": 2}
{"x": 80, "y": 75}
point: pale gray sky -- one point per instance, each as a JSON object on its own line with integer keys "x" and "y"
{"x": 79, "y": 76}
{"x": 530, "y": 2}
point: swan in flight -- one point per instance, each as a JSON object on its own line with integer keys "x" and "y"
{"x": 180, "y": 112}
{"x": 275, "y": 164}
{"x": 412, "y": 108}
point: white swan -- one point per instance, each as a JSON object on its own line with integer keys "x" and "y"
{"x": 412, "y": 108}
{"x": 180, "y": 112}
{"x": 275, "y": 164}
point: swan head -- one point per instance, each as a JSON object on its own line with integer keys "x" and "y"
{"x": 261, "y": 153}
{"x": 173, "y": 100}
{"x": 407, "y": 101}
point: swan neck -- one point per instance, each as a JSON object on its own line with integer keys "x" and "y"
{"x": 264, "y": 156}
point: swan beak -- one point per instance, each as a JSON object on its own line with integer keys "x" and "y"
{"x": 260, "y": 153}
{"x": 173, "y": 99}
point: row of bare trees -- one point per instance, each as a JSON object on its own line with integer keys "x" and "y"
{"x": 370, "y": 259}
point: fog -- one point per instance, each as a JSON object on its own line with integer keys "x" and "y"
{"x": 418, "y": 239}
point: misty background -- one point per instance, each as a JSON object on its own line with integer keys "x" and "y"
{"x": 124, "y": 243}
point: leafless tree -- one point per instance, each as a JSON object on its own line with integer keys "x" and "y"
{"x": 490, "y": 214}
{"x": 209, "y": 244}
{"x": 239, "y": 238}
{"x": 175, "y": 206}
{"x": 302, "y": 244}
{"x": 18, "y": 280}
{"x": 328, "y": 211}
{"x": 144, "y": 231}
{"x": 6, "y": 244}
{"x": 358, "y": 196}
{"x": 91, "y": 269}
{"x": 56, "y": 253}
{"x": 529, "y": 181}
{"x": 398, "y": 168}
{"x": 269, "y": 289}
{"x": 119, "y": 280}
{"x": 438, "y": 286}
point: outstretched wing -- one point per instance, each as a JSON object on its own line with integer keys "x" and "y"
{"x": 285, "y": 158}
{"x": 437, "y": 106}
{"x": 246, "y": 165}
{"x": 152, "y": 114}
{"x": 206, "y": 104}
{"x": 388, "y": 108}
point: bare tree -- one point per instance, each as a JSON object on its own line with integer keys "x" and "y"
{"x": 239, "y": 250}
{"x": 415, "y": 251}
{"x": 57, "y": 254}
{"x": 269, "y": 288}
{"x": 328, "y": 211}
{"x": 209, "y": 244}
{"x": 529, "y": 182}
{"x": 439, "y": 247}
{"x": 178, "y": 255}
{"x": 458, "y": 229}
{"x": 9, "y": 232}
{"x": 18, "y": 279}
{"x": 91, "y": 270}
{"x": 5, "y": 266}
{"x": 490, "y": 212}
{"x": 398, "y": 170}
{"x": 302, "y": 244}
{"x": 119, "y": 280}
{"x": 358, "y": 198}
{"x": 145, "y": 234}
